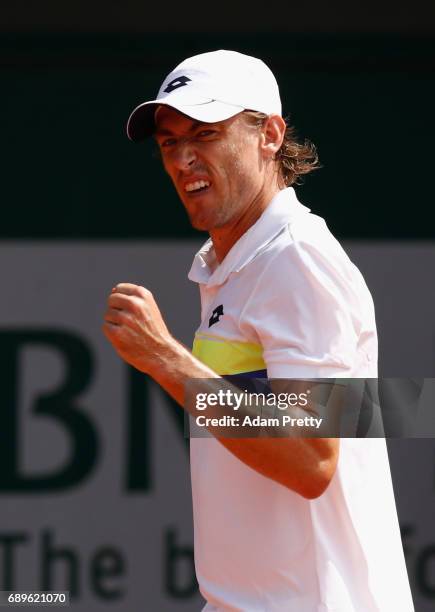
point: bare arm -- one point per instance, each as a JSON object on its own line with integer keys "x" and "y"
{"x": 135, "y": 327}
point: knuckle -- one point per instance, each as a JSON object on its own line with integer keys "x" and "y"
{"x": 109, "y": 330}
{"x": 112, "y": 314}
{"x": 144, "y": 292}
{"x": 134, "y": 306}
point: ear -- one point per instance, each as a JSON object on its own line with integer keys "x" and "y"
{"x": 273, "y": 131}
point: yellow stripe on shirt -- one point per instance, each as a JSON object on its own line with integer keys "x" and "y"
{"x": 228, "y": 357}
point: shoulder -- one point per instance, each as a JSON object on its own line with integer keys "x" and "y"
{"x": 305, "y": 250}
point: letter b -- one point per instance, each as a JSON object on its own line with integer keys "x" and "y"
{"x": 59, "y": 405}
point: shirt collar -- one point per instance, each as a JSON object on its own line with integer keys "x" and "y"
{"x": 205, "y": 267}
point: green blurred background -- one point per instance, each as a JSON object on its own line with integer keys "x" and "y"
{"x": 365, "y": 98}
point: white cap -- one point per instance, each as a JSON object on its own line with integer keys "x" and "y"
{"x": 211, "y": 87}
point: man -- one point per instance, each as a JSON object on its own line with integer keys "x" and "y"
{"x": 303, "y": 525}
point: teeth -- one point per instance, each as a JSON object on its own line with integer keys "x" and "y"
{"x": 196, "y": 185}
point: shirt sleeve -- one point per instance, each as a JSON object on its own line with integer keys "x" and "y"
{"x": 304, "y": 310}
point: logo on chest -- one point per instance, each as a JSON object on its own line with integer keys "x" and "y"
{"x": 216, "y": 315}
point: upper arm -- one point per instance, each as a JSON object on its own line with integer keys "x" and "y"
{"x": 304, "y": 314}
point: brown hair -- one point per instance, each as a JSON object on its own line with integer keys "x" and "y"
{"x": 294, "y": 158}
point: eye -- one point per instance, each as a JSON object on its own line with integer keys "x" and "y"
{"x": 206, "y": 133}
{"x": 168, "y": 142}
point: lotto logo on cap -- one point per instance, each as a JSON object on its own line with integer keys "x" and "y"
{"x": 211, "y": 87}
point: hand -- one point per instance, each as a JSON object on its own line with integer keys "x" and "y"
{"x": 135, "y": 327}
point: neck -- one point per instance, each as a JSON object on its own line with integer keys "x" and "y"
{"x": 225, "y": 237}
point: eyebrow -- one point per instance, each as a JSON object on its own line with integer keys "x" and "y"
{"x": 165, "y": 132}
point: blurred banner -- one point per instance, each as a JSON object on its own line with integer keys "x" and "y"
{"x": 94, "y": 485}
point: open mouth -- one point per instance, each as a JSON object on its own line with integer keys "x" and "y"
{"x": 197, "y": 187}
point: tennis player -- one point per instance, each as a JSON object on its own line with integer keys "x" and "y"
{"x": 297, "y": 525}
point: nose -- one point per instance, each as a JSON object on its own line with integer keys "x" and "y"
{"x": 184, "y": 156}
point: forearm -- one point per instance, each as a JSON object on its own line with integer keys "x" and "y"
{"x": 134, "y": 325}
{"x": 303, "y": 465}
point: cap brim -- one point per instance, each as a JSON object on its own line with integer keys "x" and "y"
{"x": 141, "y": 124}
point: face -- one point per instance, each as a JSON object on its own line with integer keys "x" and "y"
{"x": 216, "y": 168}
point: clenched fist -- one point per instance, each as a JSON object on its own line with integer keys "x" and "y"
{"x": 135, "y": 327}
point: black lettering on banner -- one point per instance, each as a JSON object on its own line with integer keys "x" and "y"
{"x": 433, "y": 472}
{"x": 52, "y": 555}
{"x": 60, "y": 405}
{"x": 425, "y": 571}
{"x": 406, "y": 531}
{"x": 8, "y": 541}
{"x": 139, "y": 428}
{"x": 107, "y": 563}
{"x": 138, "y": 444}
{"x": 179, "y": 561}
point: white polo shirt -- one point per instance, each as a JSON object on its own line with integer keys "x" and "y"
{"x": 287, "y": 302}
